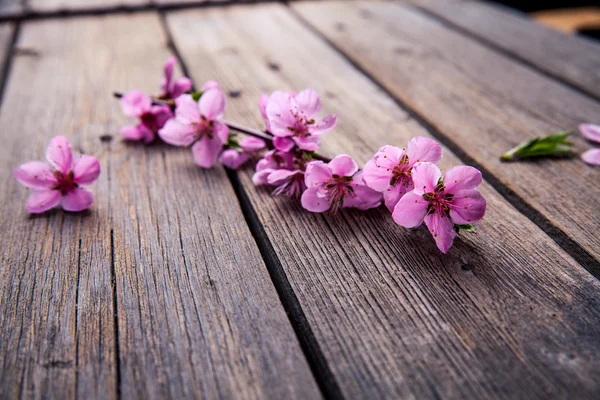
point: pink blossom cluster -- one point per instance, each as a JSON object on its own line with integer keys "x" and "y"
{"x": 592, "y": 133}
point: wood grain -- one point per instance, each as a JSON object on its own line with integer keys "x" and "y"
{"x": 574, "y": 59}
{"x": 506, "y": 314}
{"x": 9, "y": 8}
{"x": 480, "y": 102}
{"x": 78, "y": 5}
{"x": 197, "y": 313}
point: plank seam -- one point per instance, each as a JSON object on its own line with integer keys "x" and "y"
{"x": 116, "y": 312}
{"x": 574, "y": 249}
{"x": 498, "y": 49}
{"x": 311, "y": 349}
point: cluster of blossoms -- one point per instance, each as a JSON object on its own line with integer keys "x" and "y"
{"x": 405, "y": 179}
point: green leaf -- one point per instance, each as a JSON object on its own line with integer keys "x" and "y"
{"x": 308, "y": 155}
{"x": 464, "y": 227}
{"x": 196, "y": 95}
{"x": 547, "y": 146}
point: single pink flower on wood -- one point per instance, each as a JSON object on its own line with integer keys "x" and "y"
{"x": 290, "y": 117}
{"x": 151, "y": 118}
{"x": 590, "y": 132}
{"x": 441, "y": 203}
{"x": 62, "y": 181}
{"x": 592, "y": 156}
{"x": 335, "y": 185}
{"x": 172, "y": 89}
{"x": 234, "y": 158}
{"x": 389, "y": 171}
{"x": 198, "y": 124}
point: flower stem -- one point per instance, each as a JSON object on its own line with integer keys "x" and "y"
{"x": 231, "y": 125}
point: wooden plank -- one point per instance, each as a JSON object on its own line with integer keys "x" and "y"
{"x": 480, "y": 101}
{"x": 198, "y": 315}
{"x": 78, "y": 5}
{"x": 10, "y": 8}
{"x": 574, "y": 59}
{"x": 505, "y": 314}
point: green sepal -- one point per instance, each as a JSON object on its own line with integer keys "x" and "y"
{"x": 196, "y": 95}
{"x": 464, "y": 227}
{"x": 232, "y": 142}
{"x": 308, "y": 155}
{"x": 547, "y": 146}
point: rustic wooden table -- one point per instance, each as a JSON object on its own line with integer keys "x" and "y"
{"x": 188, "y": 283}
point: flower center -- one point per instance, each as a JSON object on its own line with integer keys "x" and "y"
{"x": 336, "y": 190}
{"x": 64, "y": 182}
{"x": 204, "y": 127}
{"x": 401, "y": 173}
{"x": 440, "y": 202}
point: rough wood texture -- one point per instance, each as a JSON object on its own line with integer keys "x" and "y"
{"x": 73, "y": 5}
{"x": 480, "y": 101}
{"x": 574, "y": 59}
{"x": 198, "y": 315}
{"x": 11, "y": 7}
{"x": 506, "y": 314}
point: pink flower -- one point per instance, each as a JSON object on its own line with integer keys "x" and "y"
{"x": 454, "y": 200}
{"x": 283, "y": 170}
{"x": 335, "y": 185}
{"x": 233, "y": 158}
{"x": 198, "y": 123}
{"x": 290, "y": 117}
{"x": 591, "y": 156}
{"x": 152, "y": 118}
{"x": 173, "y": 89}
{"x": 61, "y": 181}
{"x": 389, "y": 171}
{"x": 590, "y": 132}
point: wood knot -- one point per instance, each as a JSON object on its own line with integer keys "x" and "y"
{"x": 273, "y": 66}
{"x": 234, "y": 93}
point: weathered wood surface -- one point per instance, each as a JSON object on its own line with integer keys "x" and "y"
{"x": 482, "y": 103}
{"x": 506, "y": 314}
{"x": 197, "y": 313}
{"x": 76, "y": 5}
{"x": 574, "y": 59}
{"x": 11, "y": 7}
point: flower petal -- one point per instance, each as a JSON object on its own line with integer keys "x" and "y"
{"x": 168, "y": 76}
{"x": 343, "y": 165}
{"x": 177, "y": 133}
{"x": 364, "y": 198}
{"x": 312, "y": 202}
{"x": 134, "y": 132}
{"x": 180, "y": 86}
{"x": 279, "y": 112}
{"x": 393, "y": 195}
{"x": 160, "y": 114}
{"x": 468, "y": 206}
{"x": 186, "y": 110}
{"x": 78, "y": 199}
{"x": 425, "y": 177}
{"x": 233, "y": 159}
{"x": 262, "y": 104}
{"x": 261, "y": 177}
{"x": 590, "y": 132}
{"x": 221, "y": 131}
{"x": 212, "y": 104}
{"x": 35, "y": 175}
{"x": 317, "y": 172}
{"x": 279, "y": 176}
{"x": 422, "y": 149}
{"x": 206, "y": 151}
{"x": 376, "y": 177}
{"x": 326, "y": 124}
{"x": 210, "y": 85}
{"x": 284, "y": 144}
{"x": 410, "y": 210}
{"x": 591, "y": 156}
{"x": 135, "y": 103}
{"x": 308, "y": 102}
{"x": 251, "y": 143}
{"x": 41, "y": 201}
{"x": 86, "y": 169}
{"x": 59, "y": 154}
{"x": 462, "y": 177}
{"x": 308, "y": 143}
{"x": 442, "y": 230}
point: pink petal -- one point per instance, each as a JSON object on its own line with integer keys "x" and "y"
{"x": 134, "y": 132}
{"x": 462, "y": 177}
{"x": 261, "y": 177}
{"x": 393, "y": 195}
{"x": 206, "y": 151}
{"x": 135, "y": 103}
{"x": 212, "y": 104}
{"x": 35, "y": 175}
{"x": 468, "y": 206}
{"x": 442, "y": 230}
{"x": 410, "y": 210}
{"x": 180, "y": 86}
{"x": 425, "y": 177}
{"x": 251, "y": 143}
{"x": 343, "y": 165}
{"x": 178, "y": 134}
{"x": 86, "y": 169}
{"x": 422, "y": 149}
{"x": 326, "y": 124}
{"x": 376, "y": 177}
{"x": 77, "y": 199}
{"x": 364, "y": 198}
{"x": 161, "y": 115}
{"x": 210, "y": 85}
{"x": 308, "y": 143}
{"x": 41, "y": 201}
{"x": 308, "y": 102}
{"x": 186, "y": 110}
{"x": 312, "y": 202}
{"x": 279, "y": 113}
{"x": 168, "y": 75}
{"x": 268, "y": 161}
{"x": 262, "y": 104}
{"x": 221, "y": 131}
{"x": 590, "y": 132}
{"x": 317, "y": 172}
{"x": 59, "y": 154}
{"x": 233, "y": 159}
{"x": 279, "y": 176}
{"x": 284, "y": 144}
{"x": 591, "y": 156}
